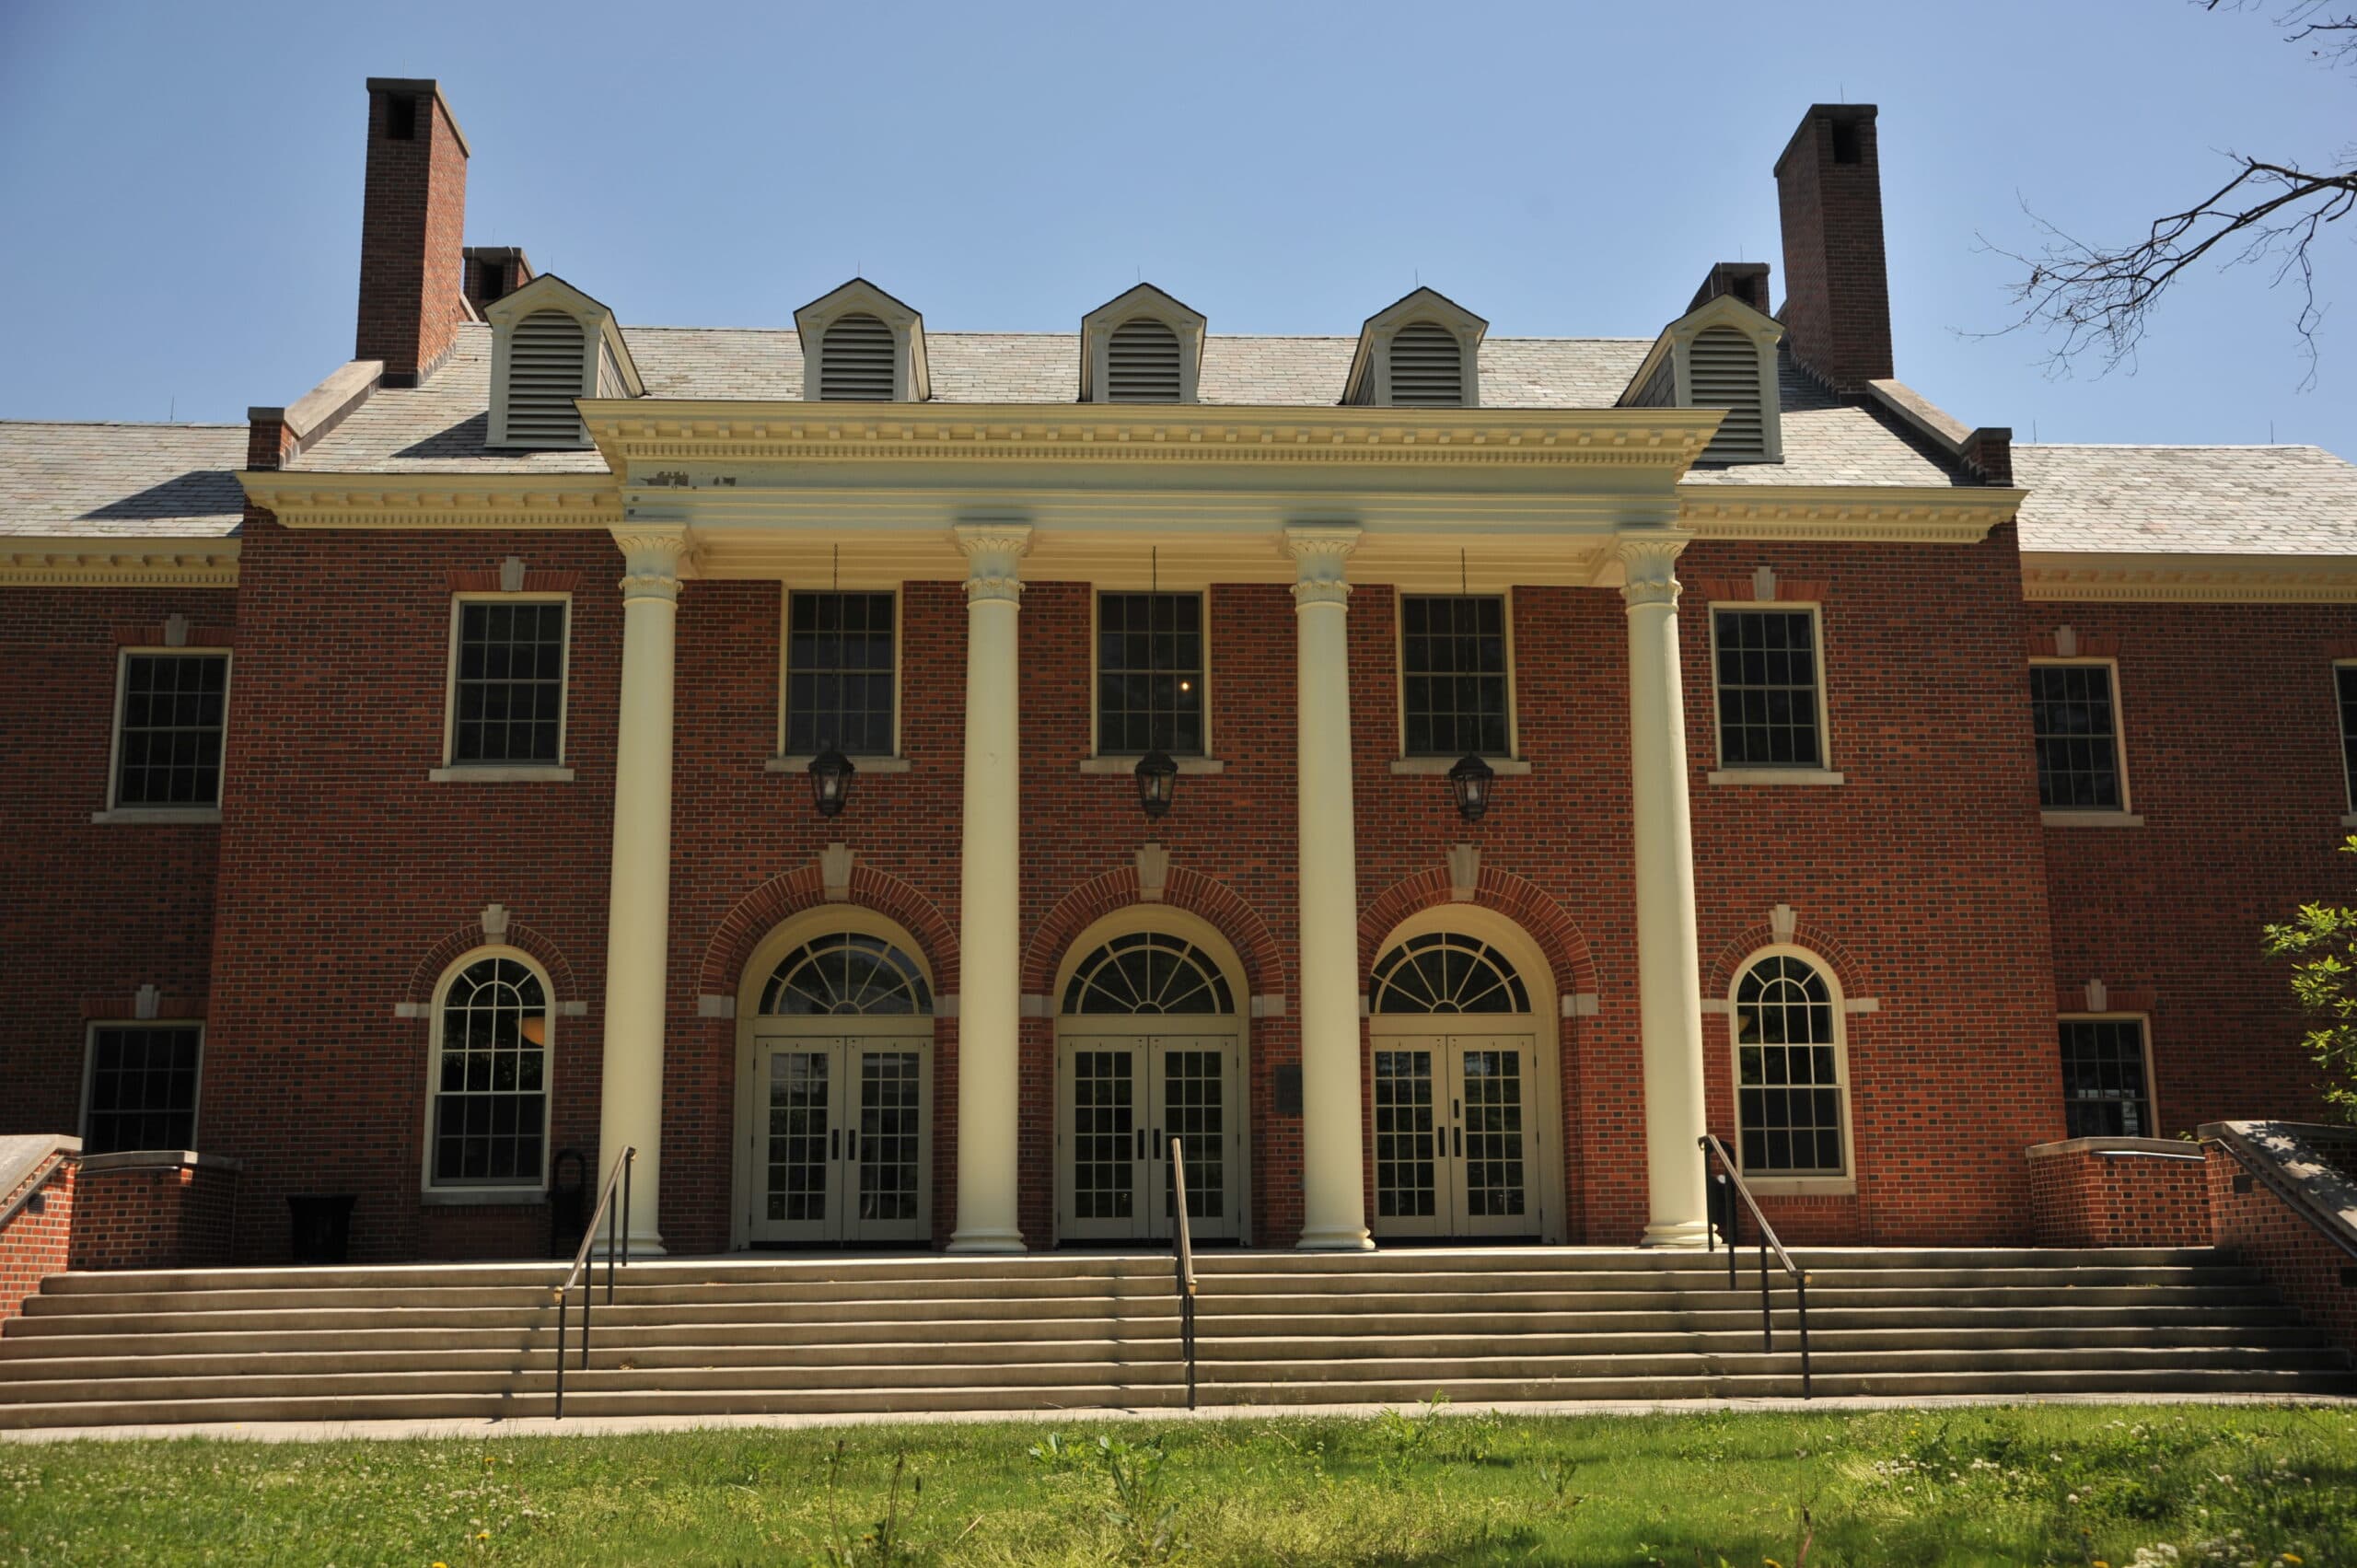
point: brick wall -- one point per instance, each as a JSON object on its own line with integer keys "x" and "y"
{"x": 93, "y": 911}
{"x": 412, "y": 216}
{"x": 2117, "y": 1193}
{"x": 2232, "y": 755}
{"x": 1837, "y": 307}
{"x": 34, "y": 1242}
{"x": 2315, "y": 1275}
{"x": 153, "y": 1212}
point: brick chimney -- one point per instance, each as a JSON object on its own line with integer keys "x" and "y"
{"x": 494, "y": 272}
{"x": 1836, "y": 304}
{"x": 412, "y": 293}
{"x": 1748, "y": 280}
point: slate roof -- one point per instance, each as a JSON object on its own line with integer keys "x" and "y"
{"x": 2186, "y": 500}
{"x": 93, "y": 480}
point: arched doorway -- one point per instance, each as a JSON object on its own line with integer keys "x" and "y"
{"x": 834, "y": 1086}
{"x": 1150, "y": 1046}
{"x": 1463, "y": 1097}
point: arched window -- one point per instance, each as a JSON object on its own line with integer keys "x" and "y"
{"x": 1427, "y": 367}
{"x": 1142, "y": 363}
{"x": 846, "y": 972}
{"x": 545, "y": 373}
{"x": 1148, "y": 971}
{"x": 855, "y": 360}
{"x": 490, "y": 1077}
{"x": 1441, "y": 972}
{"x": 1789, "y": 1089}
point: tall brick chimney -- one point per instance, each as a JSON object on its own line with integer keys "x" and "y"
{"x": 412, "y": 286}
{"x": 1837, "y": 300}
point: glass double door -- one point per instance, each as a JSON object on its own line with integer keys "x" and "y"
{"x": 1454, "y": 1143}
{"x": 1119, "y": 1101}
{"x": 842, "y": 1140}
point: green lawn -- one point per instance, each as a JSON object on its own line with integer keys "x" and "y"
{"x": 2065, "y": 1484}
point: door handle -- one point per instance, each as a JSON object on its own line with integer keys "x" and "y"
{"x": 1157, "y": 1145}
{"x": 1458, "y": 1135}
{"x": 834, "y": 1143}
{"x": 1140, "y": 1154}
{"x": 851, "y": 1144}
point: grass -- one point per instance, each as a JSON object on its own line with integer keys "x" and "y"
{"x": 2036, "y": 1485}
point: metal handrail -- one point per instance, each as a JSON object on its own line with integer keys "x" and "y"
{"x": 621, "y": 1173}
{"x": 57, "y": 1160}
{"x": 1731, "y": 1178}
{"x": 1182, "y": 1246}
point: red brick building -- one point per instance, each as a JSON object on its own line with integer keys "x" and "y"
{"x": 1005, "y": 753}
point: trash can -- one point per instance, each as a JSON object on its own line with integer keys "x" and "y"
{"x": 322, "y": 1225}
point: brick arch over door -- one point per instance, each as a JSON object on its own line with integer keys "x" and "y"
{"x": 760, "y": 911}
{"x": 467, "y": 939}
{"x": 1516, "y": 898}
{"x": 1718, "y": 977}
{"x": 1182, "y": 889}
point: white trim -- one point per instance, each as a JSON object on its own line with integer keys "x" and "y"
{"x": 90, "y": 1028}
{"x": 799, "y": 761}
{"x": 502, "y": 773}
{"x": 441, "y": 991}
{"x": 2143, "y": 1022}
{"x": 1845, "y": 1180}
{"x": 193, "y": 813}
{"x": 1821, "y": 771}
{"x": 1411, "y": 762}
{"x": 1433, "y": 767}
{"x": 2124, "y": 814}
{"x": 1825, "y": 776}
{"x": 1126, "y": 761}
{"x": 2340, "y": 731}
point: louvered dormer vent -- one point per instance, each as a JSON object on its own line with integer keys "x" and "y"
{"x": 1142, "y": 364}
{"x": 544, "y": 375}
{"x": 1723, "y": 371}
{"x": 1427, "y": 367}
{"x": 855, "y": 360}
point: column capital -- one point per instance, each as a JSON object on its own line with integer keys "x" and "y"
{"x": 651, "y": 559}
{"x": 994, "y": 553}
{"x": 1321, "y": 552}
{"x": 1648, "y": 564}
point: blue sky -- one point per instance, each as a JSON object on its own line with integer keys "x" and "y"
{"x": 181, "y": 182}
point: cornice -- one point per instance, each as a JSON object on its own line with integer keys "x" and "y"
{"x": 2063, "y": 576}
{"x": 119, "y": 562}
{"x": 634, "y": 433}
{"x": 1856, "y": 513}
{"x": 303, "y": 500}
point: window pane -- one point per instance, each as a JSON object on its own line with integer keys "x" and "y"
{"x": 1788, "y": 1088}
{"x": 2072, "y": 724}
{"x": 1149, "y": 673}
{"x": 173, "y": 709}
{"x": 838, "y": 674}
{"x": 143, "y": 1087}
{"x": 1767, "y": 674}
{"x": 2104, "y": 1094}
{"x": 2345, "y": 682}
{"x": 491, "y": 1108}
{"x": 510, "y": 683}
{"x": 1453, "y": 674}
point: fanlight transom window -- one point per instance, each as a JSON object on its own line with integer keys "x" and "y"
{"x": 846, "y": 973}
{"x": 1442, "y": 971}
{"x": 1148, "y": 971}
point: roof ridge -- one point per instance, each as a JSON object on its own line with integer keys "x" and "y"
{"x": 2174, "y": 446}
{"x": 128, "y": 424}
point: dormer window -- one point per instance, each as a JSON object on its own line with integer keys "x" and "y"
{"x": 1422, "y": 351}
{"x": 1142, "y": 363}
{"x": 1721, "y": 355}
{"x": 1141, "y": 347}
{"x": 1723, "y": 371}
{"x": 550, "y": 345}
{"x": 861, "y": 345}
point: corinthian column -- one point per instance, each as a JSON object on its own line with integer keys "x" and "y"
{"x": 638, "y": 909}
{"x": 1669, "y": 1001}
{"x": 1333, "y": 1200}
{"x": 990, "y": 1006}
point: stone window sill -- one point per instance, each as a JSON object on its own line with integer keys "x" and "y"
{"x": 801, "y": 764}
{"x": 1777, "y": 776}
{"x": 482, "y": 1197}
{"x": 1802, "y": 1186}
{"x": 185, "y": 816}
{"x": 1187, "y": 765}
{"x": 2090, "y": 820}
{"x": 540, "y": 773}
{"x": 1504, "y": 767}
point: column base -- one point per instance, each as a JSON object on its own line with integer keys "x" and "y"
{"x": 1353, "y": 1240}
{"x": 1691, "y": 1234}
{"x": 988, "y": 1241}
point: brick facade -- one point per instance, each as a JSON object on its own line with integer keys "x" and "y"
{"x": 2111, "y": 1192}
{"x": 34, "y": 1243}
{"x": 155, "y": 1211}
{"x": 2315, "y": 1275}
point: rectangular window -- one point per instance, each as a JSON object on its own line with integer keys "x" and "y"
{"x": 1149, "y": 674}
{"x": 839, "y": 674}
{"x": 2105, "y": 1089}
{"x": 143, "y": 1087}
{"x": 508, "y": 700}
{"x": 1767, "y": 669}
{"x": 1453, "y": 698}
{"x": 2076, "y": 730}
{"x": 167, "y": 746}
{"x": 2344, "y": 677}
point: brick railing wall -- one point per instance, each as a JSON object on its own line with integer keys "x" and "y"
{"x": 154, "y": 1209}
{"x": 33, "y": 1241}
{"x": 2118, "y": 1192}
{"x": 2305, "y": 1246}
